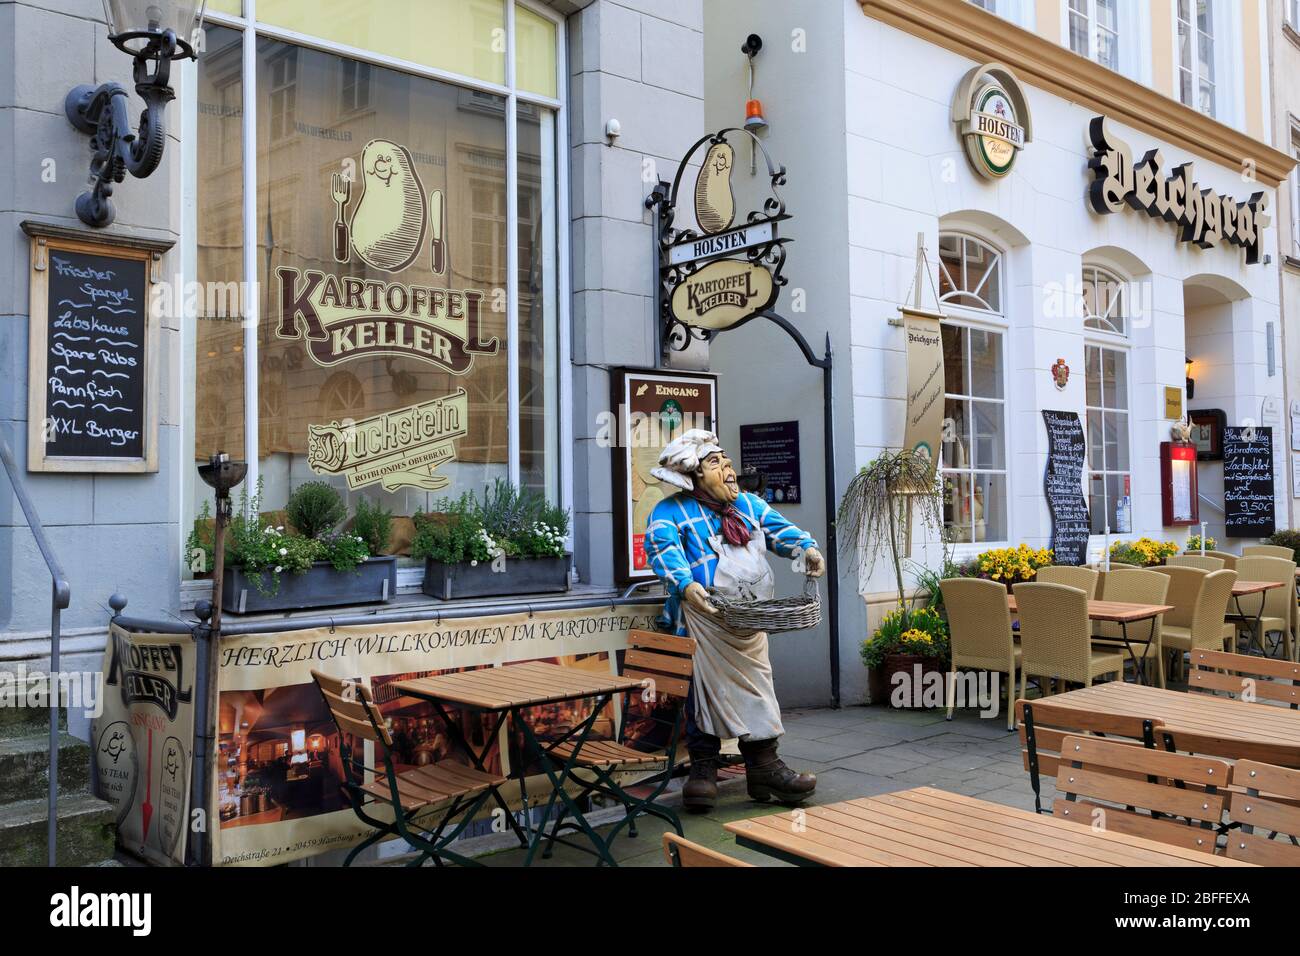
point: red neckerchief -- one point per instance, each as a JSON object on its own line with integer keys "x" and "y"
{"x": 734, "y": 529}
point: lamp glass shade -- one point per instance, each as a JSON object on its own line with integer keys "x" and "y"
{"x": 133, "y": 23}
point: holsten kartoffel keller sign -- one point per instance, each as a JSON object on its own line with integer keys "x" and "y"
{"x": 992, "y": 117}
{"x": 1203, "y": 216}
{"x": 719, "y": 275}
{"x": 343, "y": 317}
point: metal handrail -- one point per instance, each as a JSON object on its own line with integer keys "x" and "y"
{"x": 60, "y": 598}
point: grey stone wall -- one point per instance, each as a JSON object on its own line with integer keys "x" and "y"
{"x": 110, "y": 532}
{"x": 640, "y": 62}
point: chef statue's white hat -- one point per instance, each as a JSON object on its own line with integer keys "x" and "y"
{"x": 681, "y": 457}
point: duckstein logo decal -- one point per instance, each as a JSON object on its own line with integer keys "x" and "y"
{"x": 400, "y": 448}
{"x": 342, "y": 317}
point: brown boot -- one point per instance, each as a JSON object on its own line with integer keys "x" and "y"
{"x": 701, "y": 790}
{"x": 767, "y": 777}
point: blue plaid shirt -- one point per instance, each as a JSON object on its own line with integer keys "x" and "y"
{"x": 678, "y": 550}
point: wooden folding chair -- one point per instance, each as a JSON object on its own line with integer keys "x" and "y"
{"x": 682, "y": 852}
{"x": 1246, "y": 677}
{"x": 437, "y": 794}
{"x": 664, "y": 662}
{"x": 1045, "y": 725}
{"x": 1255, "y": 811}
{"x": 1170, "y": 797}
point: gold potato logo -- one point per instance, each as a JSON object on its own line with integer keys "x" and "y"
{"x": 389, "y": 223}
{"x": 715, "y": 205}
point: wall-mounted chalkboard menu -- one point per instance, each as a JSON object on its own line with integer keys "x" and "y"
{"x": 91, "y": 342}
{"x": 1248, "y": 482}
{"x": 1063, "y": 485}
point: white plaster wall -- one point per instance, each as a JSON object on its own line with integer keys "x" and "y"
{"x": 907, "y": 173}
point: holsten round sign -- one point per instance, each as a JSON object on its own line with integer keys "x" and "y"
{"x": 992, "y": 117}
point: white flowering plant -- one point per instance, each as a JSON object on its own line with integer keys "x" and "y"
{"x": 263, "y": 551}
{"x": 505, "y": 521}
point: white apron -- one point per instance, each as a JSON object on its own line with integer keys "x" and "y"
{"x": 734, "y": 696}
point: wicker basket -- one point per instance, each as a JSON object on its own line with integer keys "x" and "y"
{"x": 773, "y": 616}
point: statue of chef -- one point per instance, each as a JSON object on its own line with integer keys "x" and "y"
{"x": 712, "y": 535}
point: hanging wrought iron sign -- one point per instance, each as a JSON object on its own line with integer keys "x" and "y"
{"x": 714, "y": 274}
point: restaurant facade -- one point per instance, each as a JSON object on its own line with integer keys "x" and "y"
{"x": 405, "y": 249}
{"x": 1066, "y": 280}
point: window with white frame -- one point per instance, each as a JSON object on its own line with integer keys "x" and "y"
{"x": 1094, "y": 29}
{"x": 1196, "y": 55}
{"x": 1105, "y": 301}
{"x": 974, "y": 459}
{"x": 1294, "y": 180}
{"x": 375, "y": 176}
{"x": 1107, "y": 403}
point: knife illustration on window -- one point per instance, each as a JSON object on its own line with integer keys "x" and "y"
{"x": 437, "y": 246}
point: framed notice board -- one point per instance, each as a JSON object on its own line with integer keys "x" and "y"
{"x": 92, "y": 362}
{"x": 653, "y": 407}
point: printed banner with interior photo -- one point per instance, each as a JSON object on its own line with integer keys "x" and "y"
{"x": 279, "y": 756}
{"x": 141, "y": 743}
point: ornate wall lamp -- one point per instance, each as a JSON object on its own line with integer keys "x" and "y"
{"x": 150, "y": 31}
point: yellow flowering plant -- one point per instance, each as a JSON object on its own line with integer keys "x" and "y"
{"x": 920, "y": 631}
{"x": 1194, "y": 544}
{"x": 1010, "y": 565}
{"x": 1144, "y": 551}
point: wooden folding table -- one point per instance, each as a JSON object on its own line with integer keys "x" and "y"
{"x": 507, "y": 691}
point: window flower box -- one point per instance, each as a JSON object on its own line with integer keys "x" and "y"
{"x": 518, "y": 575}
{"x": 373, "y": 581}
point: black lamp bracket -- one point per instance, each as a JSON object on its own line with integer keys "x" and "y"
{"x": 102, "y": 113}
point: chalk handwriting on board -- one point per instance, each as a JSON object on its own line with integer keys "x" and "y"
{"x": 1248, "y": 484}
{"x": 1063, "y": 485}
{"x": 95, "y": 392}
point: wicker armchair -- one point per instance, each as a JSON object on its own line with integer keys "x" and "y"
{"x": 1205, "y": 562}
{"x": 1135, "y": 587}
{"x": 1279, "y": 604}
{"x": 1205, "y": 629}
{"x": 1227, "y": 557}
{"x": 1268, "y": 551}
{"x": 1085, "y": 579}
{"x": 979, "y": 626}
{"x": 1056, "y": 637}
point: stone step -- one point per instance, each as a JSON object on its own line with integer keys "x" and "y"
{"x": 85, "y": 836}
{"x": 24, "y": 721}
{"x": 25, "y": 766}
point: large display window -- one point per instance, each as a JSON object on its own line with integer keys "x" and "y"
{"x": 397, "y": 329}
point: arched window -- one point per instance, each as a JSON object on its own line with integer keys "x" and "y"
{"x": 974, "y": 460}
{"x": 1105, "y": 301}
{"x": 1106, "y": 309}
{"x": 970, "y": 273}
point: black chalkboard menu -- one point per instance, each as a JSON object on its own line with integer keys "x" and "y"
{"x": 1063, "y": 485}
{"x": 90, "y": 353}
{"x": 1248, "y": 482}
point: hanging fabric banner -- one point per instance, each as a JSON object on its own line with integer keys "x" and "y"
{"x": 925, "y": 383}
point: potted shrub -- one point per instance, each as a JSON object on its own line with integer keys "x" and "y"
{"x": 1287, "y": 538}
{"x": 509, "y": 542}
{"x": 905, "y": 640}
{"x": 1144, "y": 552}
{"x": 269, "y": 568}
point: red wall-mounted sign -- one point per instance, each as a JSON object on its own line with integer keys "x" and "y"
{"x": 1180, "y": 497}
